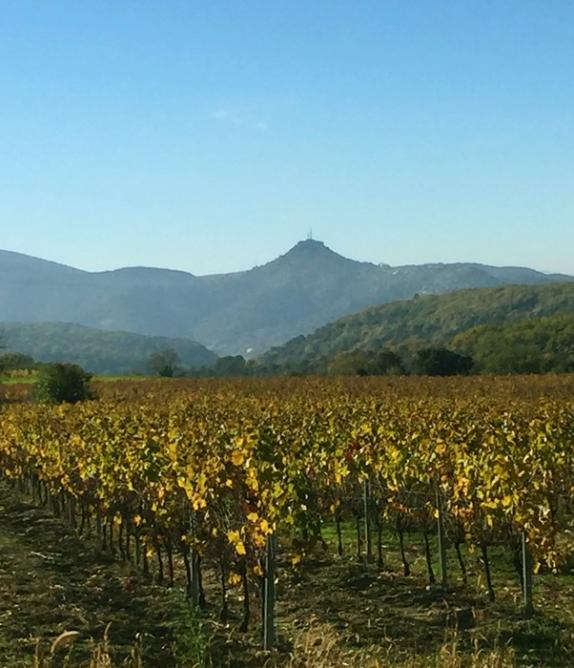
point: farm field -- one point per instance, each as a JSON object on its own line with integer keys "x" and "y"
{"x": 358, "y": 521}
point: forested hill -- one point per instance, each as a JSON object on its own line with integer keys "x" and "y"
{"x": 432, "y": 320}
{"x": 244, "y": 312}
{"x": 98, "y": 351}
{"x": 531, "y": 345}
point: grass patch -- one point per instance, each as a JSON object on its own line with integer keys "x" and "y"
{"x": 18, "y": 380}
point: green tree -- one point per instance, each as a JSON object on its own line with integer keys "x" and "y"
{"x": 350, "y": 363}
{"x": 165, "y": 363}
{"x": 16, "y": 361}
{"x": 366, "y": 363}
{"x": 230, "y": 365}
{"x": 441, "y": 362}
{"x": 59, "y": 383}
{"x": 387, "y": 363}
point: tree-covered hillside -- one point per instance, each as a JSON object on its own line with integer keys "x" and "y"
{"x": 96, "y": 350}
{"x": 422, "y": 321}
{"x": 533, "y": 345}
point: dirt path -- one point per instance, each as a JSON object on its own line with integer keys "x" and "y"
{"x": 51, "y": 582}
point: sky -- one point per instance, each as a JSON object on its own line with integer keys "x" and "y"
{"x": 211, "y": 135}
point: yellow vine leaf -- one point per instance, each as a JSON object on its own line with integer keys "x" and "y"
{"x": 234, "y": 579}
{"x": 237, "y": 457}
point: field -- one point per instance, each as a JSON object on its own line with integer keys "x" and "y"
{"x": 308, "y": 522}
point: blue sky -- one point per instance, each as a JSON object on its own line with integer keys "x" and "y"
{"x": 209, "y": 136}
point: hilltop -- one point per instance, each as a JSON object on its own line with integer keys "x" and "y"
{"x": 244, "y": 312}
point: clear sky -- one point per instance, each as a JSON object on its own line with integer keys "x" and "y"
{"x": 210, "y": 135}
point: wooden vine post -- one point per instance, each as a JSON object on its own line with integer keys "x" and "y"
{"x": 367, "y": 513}
{"x": 194, "y": 588}
{"x": 269, "y": 595}
{"x": 527, "y": 576}
{"x": 441, "y": 536}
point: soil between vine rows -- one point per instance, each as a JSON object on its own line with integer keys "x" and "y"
{"x": 51, "y": 581}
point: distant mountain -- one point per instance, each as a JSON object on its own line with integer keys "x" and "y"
{"x": 448, "y": 319}
{"x": 98, "y": 351}
{"x": 242, "y": 312}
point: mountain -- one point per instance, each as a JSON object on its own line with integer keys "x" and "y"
{"x": 427, "y": 320}
{"x": 104, "y": 352}
{"x": 244, "y": 312}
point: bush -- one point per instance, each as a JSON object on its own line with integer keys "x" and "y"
{"x": 366, "y": 363}
{"x": 441, "y": 362}
{"x": 58, "y": 383}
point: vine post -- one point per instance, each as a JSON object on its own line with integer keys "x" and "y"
{"x": 441, "y": 536}
{"x": 367, "y": 513}
{"x": 527, "y": 575}
{"x": 194, "y": 584}
{"x": 269, "y": 595}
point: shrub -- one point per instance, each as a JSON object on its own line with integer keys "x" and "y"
{"x": 441, "y": 362}
{"x": 58, "y": 383}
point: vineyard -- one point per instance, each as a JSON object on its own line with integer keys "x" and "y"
{"x": 239, "y": 489}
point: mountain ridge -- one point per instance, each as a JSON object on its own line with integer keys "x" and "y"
{"x": 245, "y": 312}
{"x": 293, "y": 251}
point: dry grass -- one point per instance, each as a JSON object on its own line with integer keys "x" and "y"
{"x": 61, "y": 650}
{"x": 320, "y": 646}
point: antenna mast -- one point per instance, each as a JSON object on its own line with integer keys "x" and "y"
{"x": 310, "y": 234}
